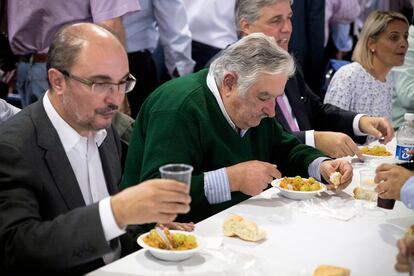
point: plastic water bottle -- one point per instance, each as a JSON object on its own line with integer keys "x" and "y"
{"x": 405, "y": 138}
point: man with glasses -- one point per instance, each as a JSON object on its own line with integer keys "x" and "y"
{"x": 60, "y": 165}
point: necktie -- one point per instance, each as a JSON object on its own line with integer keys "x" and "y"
{"x": 286, "y": 114}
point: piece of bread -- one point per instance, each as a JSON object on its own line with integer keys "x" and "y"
{"x": 245, "y": 229}
{"x": 335, "y": 178}
{"x": 329, "y": 270}
{"x": 365, "y": 194}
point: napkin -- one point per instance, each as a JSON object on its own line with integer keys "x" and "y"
{"x": 334, "y": 207}
{"x": 213, "y": 243}
{"x": 234, "y": 262}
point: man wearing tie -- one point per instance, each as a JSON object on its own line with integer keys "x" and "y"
{"x": 299, "y": 110}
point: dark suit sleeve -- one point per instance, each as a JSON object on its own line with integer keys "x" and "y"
{"x": 320, "y": 116}
{"x": 301, "y": 135}
{"x": 33, "y": 235}
{"x": 329, "y": 117}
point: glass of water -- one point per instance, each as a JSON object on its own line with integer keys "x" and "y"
{"x": 179, "y": 172}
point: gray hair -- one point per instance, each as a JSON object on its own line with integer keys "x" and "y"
{"x": 250, "y": 10}
{"x": 376, "y": 23}
{"x": 247, "y": 58}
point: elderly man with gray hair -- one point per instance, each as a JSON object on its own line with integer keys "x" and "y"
{"x": 220, "y": 122}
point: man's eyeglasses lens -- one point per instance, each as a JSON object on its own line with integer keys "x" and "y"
{"x": 105, "y": 87}
{"x": 123, "y": 86}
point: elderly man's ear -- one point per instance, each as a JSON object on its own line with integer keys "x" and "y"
{"x": 56, "y": 80}
{"x": 229, "y": 83}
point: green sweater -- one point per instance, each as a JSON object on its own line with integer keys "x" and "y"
{"x": 181, "y": 122}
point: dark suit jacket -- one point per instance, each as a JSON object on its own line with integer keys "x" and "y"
{"x": 44, "y": 224}
{"x": 311, "y": 113}
{"x": 306, "y": 42}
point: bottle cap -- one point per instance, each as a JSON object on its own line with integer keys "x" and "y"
{"x": 409, "y": 116}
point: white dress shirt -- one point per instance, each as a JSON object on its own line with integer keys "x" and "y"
{"x": 84, "y": 158}
{"x": 164, "y": 20}
{"x": 212, "y": 22}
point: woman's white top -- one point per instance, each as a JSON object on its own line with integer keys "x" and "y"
{"x": 353, "y": 88}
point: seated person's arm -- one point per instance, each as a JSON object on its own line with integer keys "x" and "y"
{"x": 395, "y": 182}
{"x": 407, "y": 193}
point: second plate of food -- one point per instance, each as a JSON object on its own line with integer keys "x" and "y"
{"x": 375, "y": 152}
{"x": 298, "y": 188}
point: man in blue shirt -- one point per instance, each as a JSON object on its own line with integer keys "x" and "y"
{"x": 396, "y": 182}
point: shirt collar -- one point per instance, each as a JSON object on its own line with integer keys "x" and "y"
{"x": 211, "y": 84}
{"x": 68, "y": 136}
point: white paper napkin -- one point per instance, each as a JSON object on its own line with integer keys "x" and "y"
{"x": 334, "y": 207}
{"x": 233, "y": 262}
{"x": 213, "y": 243}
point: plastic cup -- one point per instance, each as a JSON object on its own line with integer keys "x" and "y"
{"x": 367, "y": 185}
{"x": 179, "y": 172}
{"x": 366, "y": 180}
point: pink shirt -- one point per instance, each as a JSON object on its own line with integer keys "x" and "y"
{"x": 33, "y": 23}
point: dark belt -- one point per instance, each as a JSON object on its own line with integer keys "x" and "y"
{"x": 201, "y": 45}
{"x": 33, "y": 58}
{"x": 141, "y": 52}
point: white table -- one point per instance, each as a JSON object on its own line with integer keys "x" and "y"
{"x": 297, "y": 242}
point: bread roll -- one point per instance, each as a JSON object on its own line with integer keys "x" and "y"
{"x": 335, "y": 178}
{"x": 247, "y": 230}
{"x": 329, "y": 270}
{"x": 365, "y": 194}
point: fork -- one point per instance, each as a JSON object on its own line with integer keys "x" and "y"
{"x": 164, "y": 238}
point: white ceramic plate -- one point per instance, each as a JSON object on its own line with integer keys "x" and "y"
{"x": 297, "y": 195}
{"x": 370, "y": 157}
{"x": 171, "y": 255}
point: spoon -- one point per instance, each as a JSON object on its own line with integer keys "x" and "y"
{"x": 164, "y": 238}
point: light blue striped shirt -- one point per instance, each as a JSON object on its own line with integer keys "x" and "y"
{"x": 407, "y": 193}
{"x": 216, "y": 183}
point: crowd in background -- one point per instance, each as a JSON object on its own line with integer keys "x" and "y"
{"x": 159, "y": 49}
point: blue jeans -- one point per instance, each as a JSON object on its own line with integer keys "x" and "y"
{"x": 31, "y": 81}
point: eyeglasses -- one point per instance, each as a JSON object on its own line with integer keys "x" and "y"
{"x": 124, "y": 86}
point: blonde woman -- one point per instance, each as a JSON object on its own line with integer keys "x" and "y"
{"x": 364, "y": 86}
